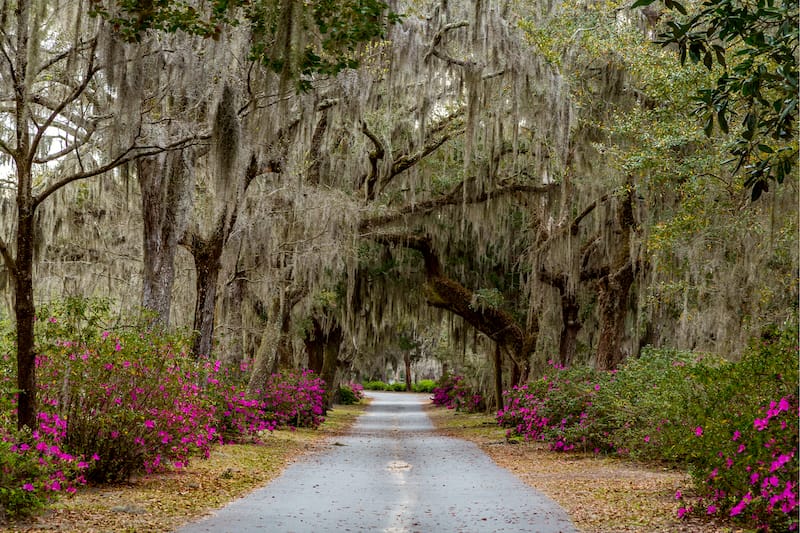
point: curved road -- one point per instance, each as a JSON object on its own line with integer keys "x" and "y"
{"x": 392, "y": 474}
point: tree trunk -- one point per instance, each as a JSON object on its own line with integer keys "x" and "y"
{"x": 264, "y": 363}
{"x": 163, "y": 182}
{"x": 614, "y": 289}
{"x": 207, "y": 266}
{"x": 25, "y": 313}
{"x": 498, "y": 377}
{"x": 234, "y": 324}
{"x": 407, "y": 362}
{"x": 330, "y": 363}
{"x": 613, "y": 302}
{"x": 570, "y": 326}
{"x": 315, "y": 346}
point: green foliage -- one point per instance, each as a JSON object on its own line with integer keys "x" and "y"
{"x": 334, "y": 28}
{"x": 376, "y": 385}
{"x": 756, "y": 47}
{"x": 17, "y": 475}
{"x": 734, "y": 424}
{"x": 397, "y": 386}
{"x": 346, "y": 396}
{"x": 424, "y": 385}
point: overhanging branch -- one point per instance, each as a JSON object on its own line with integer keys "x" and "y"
{"x": 454, "y": 197}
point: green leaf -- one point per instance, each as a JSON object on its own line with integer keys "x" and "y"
{"x": 708, "y": 129}
{"x": 765, "y": 149}
{"x": 642, "y": 3}
{"x": 723, "y": 122}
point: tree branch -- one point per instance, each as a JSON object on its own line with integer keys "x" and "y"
{"x": 454, "y": 197}
{"x": 7, "y": 258}
{"x": 437, "y": 39}
{"x": 376, "y": 155}
{"x": 91, "y": 70}
{"x": 131, "y": 153}
{"x": 445, "y": 293}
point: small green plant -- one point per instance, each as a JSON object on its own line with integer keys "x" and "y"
{"x": 346, "y": 396}
{"x": 424, "y": 386}
{"x": 397, "y": 386}
{"x": 375, "y": 385}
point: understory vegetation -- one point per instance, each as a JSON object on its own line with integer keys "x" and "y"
{"x": 118, "y": 399}
{"x": 733, "y": 425}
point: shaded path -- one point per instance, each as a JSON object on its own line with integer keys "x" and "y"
{"x": 392, "y": 474}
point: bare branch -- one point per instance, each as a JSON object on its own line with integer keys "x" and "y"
{"x": 573, "y": 227}
{"x": 83, "y": 45}
{"x": 6, "y": 148}
{"x": 437, "y": 39}
{"x": 404, "y": 162}
{"x": 91, "y": 70}
{"x": 131, "y": 153}
{"x": 66, "y": 150}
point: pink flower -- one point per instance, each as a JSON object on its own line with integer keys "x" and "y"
{"x": 647, "y": 438}
{"x": 678, "y": 495}
{"x": 29, "y": 487}
{"x": 117, "y": 346}
{"x": 149, "y": 424}
{"x": 711, "y": 509}
{"x": 698, "y": 431}
{"x": 683, "y": 511}
{"x": 736, "y": 435}
{"x": 739, "y": 507}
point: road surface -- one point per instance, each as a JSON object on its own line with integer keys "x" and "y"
{"x": 392, "y": 474}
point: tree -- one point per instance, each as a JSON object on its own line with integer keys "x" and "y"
{"x": 52, "y": 130}
{"x": 755, "y": 47}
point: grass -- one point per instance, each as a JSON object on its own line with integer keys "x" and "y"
{"x": 164, "y": 502}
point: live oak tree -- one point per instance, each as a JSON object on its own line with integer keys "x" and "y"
{"x": 58, "y": 126}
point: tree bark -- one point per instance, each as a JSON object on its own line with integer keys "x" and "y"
{"x": 407, "y": 363}
{"x": 498, "y": 377}
{"x": 614, "y": 289}
{"x": 24, "y": 308}
{"x": 163, "y": 182}
{"x": 570, "y": 327}
{"x": 207, "y": 255}
{"x": 315, "y": 345}
{"x": 330, "y": 363}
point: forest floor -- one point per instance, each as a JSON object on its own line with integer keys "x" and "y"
{"x": 601, "y": 494}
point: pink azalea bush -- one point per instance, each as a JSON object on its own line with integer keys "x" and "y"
{"x": 554, "y": 408}
{"x": 735, "y": 425}
{"x": 296, "y": 398}
{"x": 114, "y": 402}
{"x": 454, "y": 392}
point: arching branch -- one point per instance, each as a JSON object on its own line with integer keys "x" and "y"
{"x": 445, "y": 293}
{"x": 454, "y": 197}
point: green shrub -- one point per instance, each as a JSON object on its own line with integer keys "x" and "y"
{"x": 346, "y": 396}
{"x": 397, "y": 386}
{"x": 425, "y": 386}
{"x": 375, "y": 385}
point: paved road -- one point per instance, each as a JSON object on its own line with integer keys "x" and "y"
{"x": 392, "y": 474}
